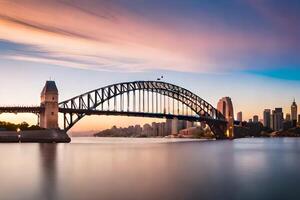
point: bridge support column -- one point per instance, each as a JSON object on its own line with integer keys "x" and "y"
{"x": 49, "y": 101}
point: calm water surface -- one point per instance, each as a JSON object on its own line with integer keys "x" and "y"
{"x": 115, "y": 168}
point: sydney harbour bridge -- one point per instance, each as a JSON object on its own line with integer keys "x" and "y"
{"x": 154, "y": 99}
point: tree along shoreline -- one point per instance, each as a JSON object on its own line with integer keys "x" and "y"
{"x": 24, "y": 126}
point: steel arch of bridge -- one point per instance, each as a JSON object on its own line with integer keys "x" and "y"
{"x": 88, "y": 103}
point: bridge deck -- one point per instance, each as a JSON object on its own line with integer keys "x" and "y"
{"x": 21, "y": 109}
{"x": 136, "y": 114}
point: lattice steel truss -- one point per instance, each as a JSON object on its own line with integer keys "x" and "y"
{"x": 141, "y": 98}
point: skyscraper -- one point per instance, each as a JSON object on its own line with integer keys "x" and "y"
{"x": 294, "y": 112}
{"x": 267, "y": 118}
{"x": 255, "y": 119}
{"x": 240, "y": 116}
{"x": 277, "y": 119}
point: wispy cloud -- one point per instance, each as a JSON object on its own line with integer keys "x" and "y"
{"x": 108, "y": 35}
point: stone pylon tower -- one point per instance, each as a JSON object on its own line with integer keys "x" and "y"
{"x": 49, "y": 101}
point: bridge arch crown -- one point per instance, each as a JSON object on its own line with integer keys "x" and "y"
{"x": 138, "y": 94}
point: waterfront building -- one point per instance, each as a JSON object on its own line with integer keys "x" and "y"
{"x": 155, "y": 129}
{"x": 277, "y": 119}
{"x": 240, "y": 116}
{"x": 177, "y": 125}
{"x": 189, "y": 132}
{"x": 287, "y": 124}
{"x": 169, "y": 126}
{"x": 138, "y": 129}
{"x": 294, "y": 112}
{"x": 147, "y": 130}
{"x": 162, "y": 129}
{"x": 272, "y": 120}
{"x": 267, "y": 118}
{"x": 288, "y": 117}
{"x": 226, "y": 108}
{"x": 174, "y": 129}
{"x": 255, "y": 119}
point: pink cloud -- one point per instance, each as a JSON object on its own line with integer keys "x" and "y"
{"x": 131, "y": 42}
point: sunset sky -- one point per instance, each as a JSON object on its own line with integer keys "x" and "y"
{"x": 246, "y": 49}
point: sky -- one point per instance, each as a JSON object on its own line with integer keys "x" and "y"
{"x": 245, "y": 49}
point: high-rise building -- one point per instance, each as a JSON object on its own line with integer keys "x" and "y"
{"x": 277, "y": 119}
{"x": 169, "y": 126}
{"x": 226, "y": 108}
{"x": 162, "y": 129}
{"x": 174, "y": 129}
{"x": 240, "y": 116}
{"x": 267, "y": 118}
{"x": 288, "y": 117}
{"x": 138, "y": 129}
{"x": 155, "y": 129}
{"x": 272, "y": 120}
{"x": 147, "y": 130}
{"x": 294, "y": 113}
{"x": 255, "y": 119}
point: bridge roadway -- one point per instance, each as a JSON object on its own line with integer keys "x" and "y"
{"x": 136, "y": 114}
{"x": 22, "y": 109}
{"x": 38, "y": 109}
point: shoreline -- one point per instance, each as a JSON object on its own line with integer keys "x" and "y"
{"x": 35, "y": 136}
{"x": 131, "y": 140}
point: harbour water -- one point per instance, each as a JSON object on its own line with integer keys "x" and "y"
{"x": 127, "y": 168}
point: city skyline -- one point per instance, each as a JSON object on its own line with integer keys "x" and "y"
{"x": 250, "y": 56}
